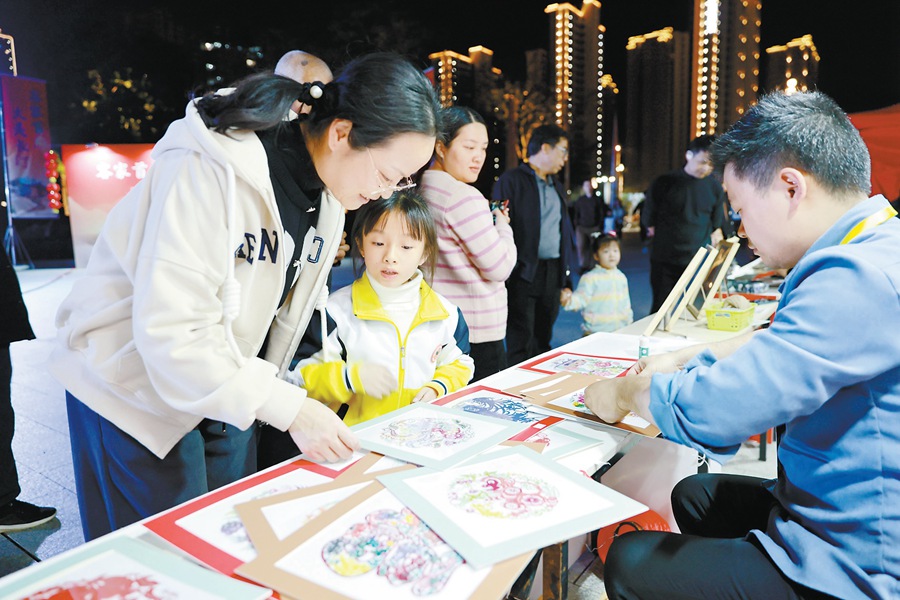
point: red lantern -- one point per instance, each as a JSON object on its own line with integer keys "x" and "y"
{"x": 646, "y": 521}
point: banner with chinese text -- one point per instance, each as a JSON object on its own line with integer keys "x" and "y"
{"x": 26, "y": 138}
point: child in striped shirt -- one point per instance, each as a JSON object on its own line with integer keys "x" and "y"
{"x": 602, "y": 293}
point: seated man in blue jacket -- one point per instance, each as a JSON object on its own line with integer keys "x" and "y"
{"x": 826, "y": 372}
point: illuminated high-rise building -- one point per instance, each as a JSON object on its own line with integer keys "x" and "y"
{"x": 658, "y": 110}
{"x": 576, "y": 64}
{"x": 465, "y": 80}
{"x": 468, "y": 81}
{"x": 725, "y": 62}
{"x": 793, "y": 67}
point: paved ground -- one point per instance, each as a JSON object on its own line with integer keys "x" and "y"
{"x": 41, "y": 444}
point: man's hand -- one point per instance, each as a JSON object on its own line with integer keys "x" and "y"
{"x": 716, "y": 237}
{"x": 377, "y": 380}
{"x": 564, "y": 296}
{"x": 613, "y": 399}
{"x": 426, "y": 394}
{"x": 320, "y": 434}
{"x": 661, "y": 363}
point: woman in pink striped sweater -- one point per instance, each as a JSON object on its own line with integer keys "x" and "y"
{"x": 476, "y": 248}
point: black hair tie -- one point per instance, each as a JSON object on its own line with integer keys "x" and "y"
{"x": 311, "y": 92}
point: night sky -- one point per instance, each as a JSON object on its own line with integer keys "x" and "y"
{"x": 59, "y": 40}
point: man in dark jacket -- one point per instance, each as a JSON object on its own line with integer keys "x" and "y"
{"x": 14, "y": 326}
{"x": 683, "y": 210}
{"x": 544, "y": 240}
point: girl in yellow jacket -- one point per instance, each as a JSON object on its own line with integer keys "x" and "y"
{"x": 396, "y": 340}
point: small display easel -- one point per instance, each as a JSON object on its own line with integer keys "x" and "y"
{"x": 710, "y": 278}
{"x": 697, "y": 286}
{"x": 663, "y": 316}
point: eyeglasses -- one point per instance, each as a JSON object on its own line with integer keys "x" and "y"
{"x": 384, "y": 185}
{"x": 563, "y": 149}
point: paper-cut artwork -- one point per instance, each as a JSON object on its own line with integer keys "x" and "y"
{"x": 606, "y": 367}
{"x": 127, "y": 568}
{"x": 564, "y": 392}
{"x": 433, "y": 435}
{"x": 427, "y": 432}
{"x": 508, "y": 409}
{"x": 482, "y": 400}
{"x": 503, "y": 495}
{"x": 270, "y": 520}
{"x": 221, "y": 526}
{"x": 397, "y": 546}
{"x": 565, "y": 438}
{"x": 511, "y": 501}
{"x": 372, "y": 546}
{"x": 574, "y": 401}
{"x": 209, "y": 529}
{"x": 287, "y": 517}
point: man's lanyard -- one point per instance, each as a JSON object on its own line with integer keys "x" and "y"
{"x": 873, "y": 220}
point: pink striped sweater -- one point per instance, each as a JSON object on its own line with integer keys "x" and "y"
{"x": 475, "y": 255}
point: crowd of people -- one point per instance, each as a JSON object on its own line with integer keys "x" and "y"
{"x": 182, "y": 342}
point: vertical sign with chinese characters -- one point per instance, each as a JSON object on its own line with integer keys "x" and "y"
{"x": 26, "y": 138}
{"x": 97, "y": 177}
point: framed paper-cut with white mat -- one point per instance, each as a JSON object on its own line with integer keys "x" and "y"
{"x": 372, "y": 546}
{"x": 433, "y": 436}
{"x": 482, "y": 400}
{"x": 562, "y": 439}
{"x": 272, "y": 519}
{"x": 123, "y": 567}
{"x": 606, "y": 367}
{"x": 209, "y": 529}
{"x": 564, "y": 392}
{"x": 512, "y": 501}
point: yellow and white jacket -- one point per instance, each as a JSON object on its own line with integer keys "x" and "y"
{"x": 429, "y": 354}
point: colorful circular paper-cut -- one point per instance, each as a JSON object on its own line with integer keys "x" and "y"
{"x": 427, "y": 432}
{"x": 395, "y": 545}
{"x": 503, "y": 495}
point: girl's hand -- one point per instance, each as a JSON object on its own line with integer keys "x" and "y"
{"x": 501, "y": 213}
{"x": 377, "y": 380}
{"x": 426, "y": 394}
{"x": 564, "y": 296}
{"x": 320, "y": 434}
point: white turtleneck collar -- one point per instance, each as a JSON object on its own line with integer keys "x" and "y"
{"x": 400, "y": 303}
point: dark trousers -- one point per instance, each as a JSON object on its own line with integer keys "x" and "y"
{"x": 533, "y": 308}
{"x": 663, "y": 277}
{"x": 118, "y": 481}
{"x": 584, "y": 241}
{"x": 273, "y": 446}
{"x": 711, "y": 558}
{"x": 489, "y": 357}
{"x": 9, "y": 477}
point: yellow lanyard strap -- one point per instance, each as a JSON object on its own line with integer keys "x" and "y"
{"x": 869, "y": 222}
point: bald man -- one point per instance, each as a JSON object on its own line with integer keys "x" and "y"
{"x": 303, "y": 67}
